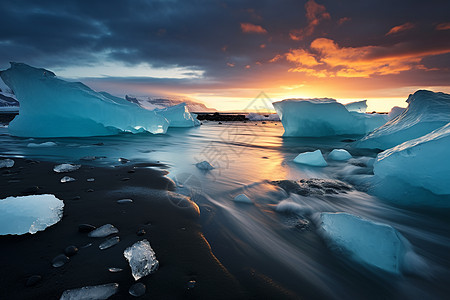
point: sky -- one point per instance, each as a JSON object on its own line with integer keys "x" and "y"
{"x": 225, "y": 53}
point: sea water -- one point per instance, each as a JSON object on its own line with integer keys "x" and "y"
{"x": 275, "y": 239}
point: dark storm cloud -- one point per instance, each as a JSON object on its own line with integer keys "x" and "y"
{"x": 206, "y": 35}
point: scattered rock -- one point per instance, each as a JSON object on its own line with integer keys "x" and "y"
{"x": 191, "y": 284}
{"x": 137, "y": 289}
{"x": 115, "y": 270}
{"x": 60, "y": 261}
{"x": 71, "y": 250}
{"x": 141, "y": 232}
{"x": 131, "y": 171}
{"x": 89, "y": 190}
{"x": 76, "y": 198}
{"x": 124, "y": 201}
{"x": 90, "y": 179}
{"x": 33, "y": 280}
{"x": 125, "y": 179}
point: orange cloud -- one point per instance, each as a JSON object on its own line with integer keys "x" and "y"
{"x": 252, "y": 28}
{"x": 327, "y": 59}
{"x": 343, "y": 20}
{"x": 443, "y": 26}
{"x": 315, "y": 14}
{"x": 400, "y": 28}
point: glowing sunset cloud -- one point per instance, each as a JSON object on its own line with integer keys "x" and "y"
{"x": 252, "y": 28}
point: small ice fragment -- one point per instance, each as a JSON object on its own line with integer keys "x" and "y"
{"x": 204, "y": 165}
{"x": 141, "y": 258}
{"x": 123, "y": 160}
{"x": 191, "y": 284}
{"x": 6, "y": 163}
{"x": 137, "y": 289}
{"x": 41, "y": 145}
{"x": 103, "y": 231}
{"x": 67, "y": 179}
{"x": 339, "y": 154}
{"x": 90, "y": 179}
{"x": 60, "y": 261}
{"x": 314, "y": 159}
{"x": 242, "y": 198}
{"x": 96, "y": 292}
{"x": 29, "y": 214}
{"x": 64, "y": 168}
{"x": 122, "y": 201}
{"x": 115, "y": 270}
{"x": 109, "y": 243}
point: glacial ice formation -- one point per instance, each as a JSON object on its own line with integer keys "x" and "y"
{"x": 51, "y": 107}
{"x": 357, "y": 106}
{"x": 396, "y": 111}
{"x": 323, "y": 117}
{"x": 179, "y": 116}
{"x": 314, "y": 159}
{"x": 29, "y": 214}
{"x": 339, "y": 154}
{"x": 243, "y": 198}
{"x": 96, "y": 292}
{"x": 426, "y": 111}
{"x": 142, "y": 259}
{"x": 423, "y": 163}
{"x": 204, "y": 165}
{"x": 367, "y": 242}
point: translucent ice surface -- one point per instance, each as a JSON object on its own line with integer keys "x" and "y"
{"x": 96, "y": 292}
{"x": 141, "y": 258}
{"x": 29, "y": 214}
{"x": 339, "y": 154}
{"x": 314, "y": 159}
{"x": 103, "y": 231}
{"x": 179, "y": 116}
{"x": 374, "y": 244}
{"x": 6, "y": 163}
{"x": 357, "y": 106}
{"x": 65, "y": 168}
{"x": 51, "y": 107}
{"x": 323, "y": 117}
{"x": 204, "y": 165}
{"x": 426, "y": 111}
{"x": 242, "y": 198}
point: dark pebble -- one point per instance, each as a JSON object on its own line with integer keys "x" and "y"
{"x": 89, "y": 190}
{"x": 125, "y": 179}
{"x": 140, "y": 232}
{"x": 220, "y": 123}
{"x": 86, "y": 227}
{"x": 33, "y": 280}
{"x": 191, "y": 284}
{"x": 137, "y": 289}
{"x": 76, "y": 198}
{"x": 31, "y": 190}
{"x": 60, "y": 261}
{"x": 348, "y": 141}
{"x": 131, "y": 171}
{"x": 98, "y": 144}
{"x": 71, "y": 250}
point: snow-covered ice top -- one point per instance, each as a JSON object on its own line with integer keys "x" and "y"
{"x": 323, "y": 117}
{"x": 51, "y": 107}
{"x": 423, "y": 162}
{"x": 314, "y": 159}
{"x": 367, "y": 242}
{"x": 142, "y": 259}
{"x": 357, "y": 106}
{"x": 29, "y": 214}
{"x": 426, "y": 112}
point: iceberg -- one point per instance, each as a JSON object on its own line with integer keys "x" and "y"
{"x": 357, "y": 106}
{"x": 396, "y": 111}
{"x": 426, "y": 111}
{"x": 324, "y": 117}
{"x": 339, "y": 154}
{"x": 314, "y": 159}
{"x": 422, "y": 163}
{"x": 179, "y": 116}
{"x": 51, "y": 107}
{"x": 96, "y": 292}
{"x": 367, "y": 242}
{"x": 29, "y": 214}
{"x": 142, "y": 259}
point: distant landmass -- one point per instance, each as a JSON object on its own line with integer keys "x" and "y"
{"x": 151, "y": 103}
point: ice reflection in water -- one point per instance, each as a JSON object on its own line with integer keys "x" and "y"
{"x": 268, "y": 239}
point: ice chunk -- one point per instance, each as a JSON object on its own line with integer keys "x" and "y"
{"x": 426, "y": 111}
{"x": 396, "y": 111}
{"x": 323, "y": 117}
{"x": 423, "y": 163}
{"x": 141, "y": 258}
{"x": 179, "y": 116}
{"x": 65, "y": 168}
{"x": 103, "y": 231}
{"x": 60, "y": 261}
{"x": 357, "y": 106}
{"x": 51, "y": 107}
{"x": 109, "y": 243}
{"x": 41, "y": 145}
{"x": 137, "y": 289}
{"x": 204, "y": 165}
{"x": 96, "y": 292}
{"x": 29, "y": 214}
{"x": 369, "y": 243}
{"x": 6, "y": 163}
{"x": 67, "y": 179}
{"x": 262, "y": 117}
{"x": 124, "y": 201}
{"x": 242, "y": 198}
{"x": 314, "y": 158}
{"x": 339, "y": 154}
